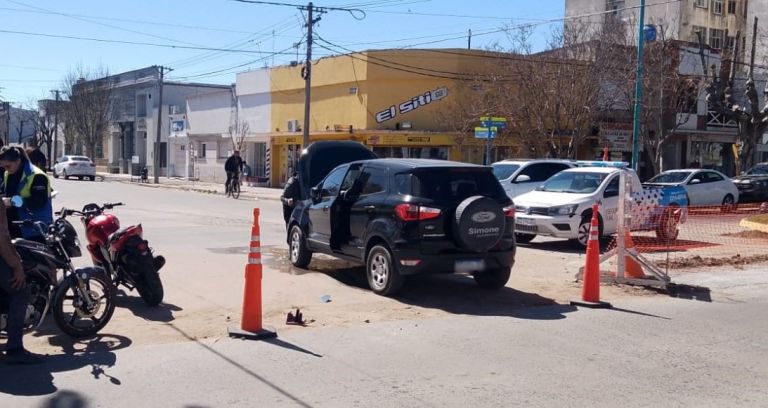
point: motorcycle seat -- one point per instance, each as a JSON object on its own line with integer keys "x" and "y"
{"x": 117, "y": 234}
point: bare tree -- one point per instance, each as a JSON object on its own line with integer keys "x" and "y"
{"x": 752, "y": 119}
{"x": 238, "y": 131}
{"x": 89, "y": 106}
{"x": 26, "y": 123}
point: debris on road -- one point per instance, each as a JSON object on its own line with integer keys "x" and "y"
{"x": 325, "y": 298}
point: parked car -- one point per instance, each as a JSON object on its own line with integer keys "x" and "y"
{"x": 74, "y": 166}
{"x": 704, "y": 187}
{"x": 753, "y": 184}
{"x": 408, "y": 216}
{"x": 521, "y": 176}
{"x": 562, "y": 207}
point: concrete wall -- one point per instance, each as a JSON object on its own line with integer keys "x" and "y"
{"x": 209, "y": 113}
{"x": 255, "y": 101}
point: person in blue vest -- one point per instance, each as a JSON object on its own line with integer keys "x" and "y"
{"x": 32, "y": 184}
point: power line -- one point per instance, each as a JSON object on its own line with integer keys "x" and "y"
{"x": 102, "y": 24}
{"x": 126, "y": 20}
{"x": 183, "y": 47}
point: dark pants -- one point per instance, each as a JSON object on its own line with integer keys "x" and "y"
{"x": 17, "y": 306}
{"x": 231, "y": 175}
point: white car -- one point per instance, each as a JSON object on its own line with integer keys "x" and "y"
{"x": 562, "y": 207}
{"x": 704, "y": 187}
{"x": 521, "y": 176}
{"x": 74, "y": 166}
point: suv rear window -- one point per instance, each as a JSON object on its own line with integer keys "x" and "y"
{"x": 452, "y": 185}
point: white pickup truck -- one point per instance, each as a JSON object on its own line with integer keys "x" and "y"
{"x": 562, "y": 206}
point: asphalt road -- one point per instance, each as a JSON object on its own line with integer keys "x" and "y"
{"x": 443, "y": 342}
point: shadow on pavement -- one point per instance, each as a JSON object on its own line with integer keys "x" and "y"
{"x": 690, "y": 292}
{"x": 563, "y": 246}
{"x": 290, "y": 346}
{"x": 241, "y": 367}
{"x": 160, "y": 313}
{"x": 456, "y": 294}
{"x": 65, "y": 399}
{"x": 96, "y": 353}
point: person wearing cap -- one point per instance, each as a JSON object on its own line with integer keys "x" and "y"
{"x": 233, "y": 166}
{"x": 22, "y": 178}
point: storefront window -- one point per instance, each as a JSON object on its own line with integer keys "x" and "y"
{"x": 712, "y": 155}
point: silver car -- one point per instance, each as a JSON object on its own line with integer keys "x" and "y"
{"x": 74, "y": 166}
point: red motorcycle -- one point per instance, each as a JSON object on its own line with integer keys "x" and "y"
{"x": 123, "y": 253}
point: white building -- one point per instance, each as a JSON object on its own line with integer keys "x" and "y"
{"x": 717, "y": 20}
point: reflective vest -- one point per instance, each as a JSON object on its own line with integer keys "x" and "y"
{"x": 44, "y": 214}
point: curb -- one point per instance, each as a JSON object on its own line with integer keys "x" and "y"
{"x": 202, "y": 190}
{"x": 754, "y": 226}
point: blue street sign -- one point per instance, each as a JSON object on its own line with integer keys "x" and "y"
{"x": 484, "y": 132}
{"x": 487, "y": 121}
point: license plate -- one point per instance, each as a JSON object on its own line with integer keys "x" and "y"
{"x": 469, "y": 265}
{"x": 526, "y": 221}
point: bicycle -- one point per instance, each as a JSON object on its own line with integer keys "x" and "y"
{"x": 233, "y": 189}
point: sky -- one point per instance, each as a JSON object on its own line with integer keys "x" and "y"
{"x": 210, "y": 41}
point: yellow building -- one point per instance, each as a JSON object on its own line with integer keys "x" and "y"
{"x": 394, "y": 101}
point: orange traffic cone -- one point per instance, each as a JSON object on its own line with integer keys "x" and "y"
{"x": 251, "y": 325}
{"x": 590, "y": 290}
{"x": 632, "y": 269}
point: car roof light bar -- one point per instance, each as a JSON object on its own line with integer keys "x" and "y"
{"x": 596, "y": 163}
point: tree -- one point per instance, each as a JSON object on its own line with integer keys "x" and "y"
{"x": 26, "y": 121}
{"x": 752, "y": 120}
{"x": 238, "y": 131}
{"x": 47, "y": 125}
{"x": 89, "y": 96}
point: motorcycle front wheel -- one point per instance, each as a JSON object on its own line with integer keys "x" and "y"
{"x": 71, "y": 309}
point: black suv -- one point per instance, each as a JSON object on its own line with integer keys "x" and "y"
{"x": 406, "y": 216}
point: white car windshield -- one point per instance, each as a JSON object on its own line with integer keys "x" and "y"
{"x": 674, "y": 177}
{"x": 574, "y": 182}
{"x": 504, "y": 171}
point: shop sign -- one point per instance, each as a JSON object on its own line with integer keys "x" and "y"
{"x": 412, "y": 104}
{"x": 617, "y": 139}
{"x": 404, "y": 140}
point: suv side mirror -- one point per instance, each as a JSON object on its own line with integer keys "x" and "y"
{"x": 694, "y": 181}
{"x": 315, "y": 193}
{"x": 522, "y": 179}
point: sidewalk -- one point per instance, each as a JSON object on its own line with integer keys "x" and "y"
{"x": 176, "y": 183}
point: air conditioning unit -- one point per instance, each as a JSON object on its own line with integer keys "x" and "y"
{"x": 293, "y": 125}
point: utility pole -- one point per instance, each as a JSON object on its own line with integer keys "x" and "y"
{"x": 159, "y": 123}
{"x": 308, "y": 73}
{"x": 469, "y": 39}
{"x": 638, "y": 89}
{"x": 55, "y": 130}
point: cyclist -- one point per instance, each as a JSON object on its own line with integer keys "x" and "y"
{"x": 233, "y": 166}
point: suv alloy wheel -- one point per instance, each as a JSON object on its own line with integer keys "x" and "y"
{"x": 299, "y": 254}
{"x": 382, "y": 274}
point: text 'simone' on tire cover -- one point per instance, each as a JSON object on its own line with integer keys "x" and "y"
{"x": 479, "y": 223}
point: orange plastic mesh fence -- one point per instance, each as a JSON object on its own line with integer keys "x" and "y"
{"x": 708, "y": 236}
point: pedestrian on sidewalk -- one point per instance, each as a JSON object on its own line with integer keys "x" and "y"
{"x": 14, "y": 290}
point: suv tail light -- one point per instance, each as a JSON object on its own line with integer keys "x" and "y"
{"x": 410, "y": 212}
{"x": 509, "y": 212}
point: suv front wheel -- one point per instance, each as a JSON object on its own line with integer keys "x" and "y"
{"x": 381, "y": 271}
{"x": 492, "y": 278}
{"x": 299, "y": 254}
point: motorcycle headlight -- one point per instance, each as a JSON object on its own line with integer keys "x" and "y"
{"x": 564, "y": 209}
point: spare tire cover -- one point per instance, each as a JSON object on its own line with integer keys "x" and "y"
{"x": 479, "y": 223}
